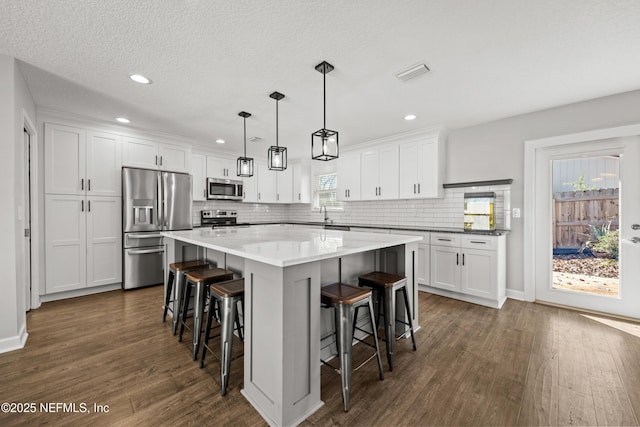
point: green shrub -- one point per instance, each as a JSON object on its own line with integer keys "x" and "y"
{"x": 602, "y": 239}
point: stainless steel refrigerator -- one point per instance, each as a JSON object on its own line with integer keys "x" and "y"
{"x": 152, "y": 201}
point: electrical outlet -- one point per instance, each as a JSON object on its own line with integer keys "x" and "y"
{"x": 516, "y": 212}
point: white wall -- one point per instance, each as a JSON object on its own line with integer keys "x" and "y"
{"x": 14, "y": 97}
{"x": 496, "y": 150}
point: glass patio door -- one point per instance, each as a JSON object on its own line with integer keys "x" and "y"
{"x": 587, "y": 202}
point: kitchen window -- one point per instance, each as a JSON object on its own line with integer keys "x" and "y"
{"x": 325, "y": 192}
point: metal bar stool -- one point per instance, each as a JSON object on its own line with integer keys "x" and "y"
{"x": 229, "y": 294}
{"x": 177, "y": 271}
{"x": 199, "y": 280}
{"x": 346, "y": 300}
{"x": 386, "y": 286}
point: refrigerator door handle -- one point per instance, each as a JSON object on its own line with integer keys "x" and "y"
{"x": 160, "y": 207}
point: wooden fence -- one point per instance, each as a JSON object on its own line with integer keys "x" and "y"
{"x": 574, "y": 211}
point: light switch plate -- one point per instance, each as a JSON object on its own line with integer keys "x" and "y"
{"x": 516, "y": 212}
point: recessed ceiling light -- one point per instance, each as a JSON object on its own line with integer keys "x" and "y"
{"x": 410, "y": 117}
{"x": 220, "y": 141}
{"x": 139, "y": 78}
{"x": 123, "y": 120}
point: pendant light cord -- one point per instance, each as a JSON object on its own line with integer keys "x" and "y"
{"x": 277, "y": 101}
{"x": 324, "y": 101}
{"x": 245, "y": 136}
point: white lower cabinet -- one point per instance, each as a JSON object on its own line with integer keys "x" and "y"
{"x": 469, "y": 267}
{"x": 83, "y": 243}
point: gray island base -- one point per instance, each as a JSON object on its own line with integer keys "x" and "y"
{"x": 284, "y": 269}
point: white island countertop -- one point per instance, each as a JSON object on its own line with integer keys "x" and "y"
{"x": 287, "y": 247}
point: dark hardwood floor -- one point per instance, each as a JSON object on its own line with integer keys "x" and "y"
{"x": 526, "y": 364}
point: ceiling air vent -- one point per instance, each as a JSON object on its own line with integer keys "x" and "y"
{"x": 255, "y": 139}
{"x": 412, "y": 72}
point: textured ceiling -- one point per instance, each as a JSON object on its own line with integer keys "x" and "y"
{"x": 209, "y": 60}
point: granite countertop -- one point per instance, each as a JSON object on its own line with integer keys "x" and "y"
{"x": 286, "y": 248}
{"x": 394, "y": 227}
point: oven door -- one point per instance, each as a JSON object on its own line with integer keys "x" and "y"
{"x": 143, "y": 267}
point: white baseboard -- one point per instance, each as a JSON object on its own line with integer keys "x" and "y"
{"x": 16, "y": 342}
{"x": 517, "y": 295}
{"x": 80, "y": 292}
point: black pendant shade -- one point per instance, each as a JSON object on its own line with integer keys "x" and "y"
{"x": 276, "y": 155}
{"x": 324, "y": 142}
{"x": 245, "y": 164}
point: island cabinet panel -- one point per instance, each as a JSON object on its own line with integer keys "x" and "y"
{"x": 469, "y": 267}
{"x": 282, "y": 314}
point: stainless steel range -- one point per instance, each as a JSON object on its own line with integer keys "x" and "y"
{"x": 220, "y": 218}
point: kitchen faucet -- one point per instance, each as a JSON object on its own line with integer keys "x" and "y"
{"x": 326, "y": 217}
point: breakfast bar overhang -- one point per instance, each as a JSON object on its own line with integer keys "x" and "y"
{"x": 283, "y": 271}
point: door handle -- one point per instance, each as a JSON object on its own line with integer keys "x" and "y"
{"x": 144, "y": 236}
{"x": 160, "y": 160}
{"x": 457, "y": 259}
{"x": 146, "y": 251}
{"x": 462, "y": 259}
{"x": 82, "y": 184}
{"x": 418, "y": 188}
{"x": 88, "y": 205}
{"x": 635, "y": 239}
{"x": 156, "y": 160}
{"x": 89, "y": 184}
{"x": 635, "y": 227}
{"x": 81, "y": 205}
{"x": 414, "y": 189}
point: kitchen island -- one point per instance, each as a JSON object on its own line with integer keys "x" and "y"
{"x": 284, "y": 270}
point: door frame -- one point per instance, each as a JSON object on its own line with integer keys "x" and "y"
{"x": 34, "y": 202}
{"x": 531, "y": 148}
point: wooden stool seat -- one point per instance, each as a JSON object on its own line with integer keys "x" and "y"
{"x": 339, "y": 293}
{"x": 209, "y": 276}
{"x": 380, "y": 279}
{"x": 228, "y": 289}
{"x": 188, "y": 265}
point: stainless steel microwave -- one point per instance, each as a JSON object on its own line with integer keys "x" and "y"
{"x": 224, "y": 189}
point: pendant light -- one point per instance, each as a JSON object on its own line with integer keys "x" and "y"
{"x": 277, "y": 156}
{"x": 324, "y": 142}
{"x": 245, "y": 164}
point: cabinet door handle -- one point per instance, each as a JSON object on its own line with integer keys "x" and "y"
{"x": 349, "y": 192}
{"x": 160, "y": 160}
{"x": 88, "y": 205}
{"x": 277, "y": 197}
{"x": 299, "y": 196}
{"x": 82, "y": 184}
{"x": 478, "y": 241}
{"x": 345, "y": 193}
{"x": 81, "y": 205}
{"x": 462, "y": 259}
{"x": 156, "y": 160}
{"x": 418, "y": 188}
{"x": 414, "y": 189}
{"x": 89, "y": 184}
{"x": 457, "y": 259}
{"x": 379, "y": 191}
{"x": 258, "y": 196}
{"x": 444, "y": 240}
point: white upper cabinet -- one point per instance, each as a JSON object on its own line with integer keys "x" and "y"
{"x": 143, "y": 153}
{"x": 379, "y": 173}
{"x": 422, "y": 168}
{"x": 267, "y": 183}
{"x": 250, "y": 187}
{"x": 349, "y": 176}
{"x": 81, "y": 162}
{"x": 221, "y": 168}
{"x": 104, "y": 161}
{"x": 284, "y": 186}
{"x": 65, "y": 159}
{"x": 301, "y": 183}
{"x": 199, "y": 173}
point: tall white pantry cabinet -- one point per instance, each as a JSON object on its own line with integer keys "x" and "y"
{"x": 83, "y": 231}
